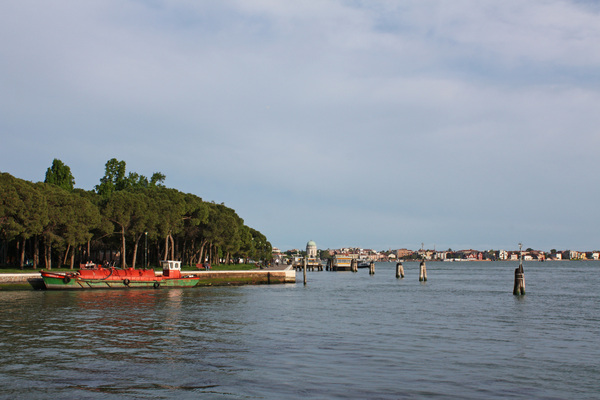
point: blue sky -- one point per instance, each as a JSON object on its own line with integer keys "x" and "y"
{"x": 376, "y": 124}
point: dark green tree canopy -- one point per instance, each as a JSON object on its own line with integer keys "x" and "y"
{"x": 115, "y": 179}
{"x": 60, "y": 175}
{"x": 123, "y": 211}
{"x": 23, "y": 209}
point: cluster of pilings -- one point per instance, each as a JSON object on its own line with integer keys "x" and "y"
{"x": 309, "y": 266}
{"x": 422, "y": 271}
{"x": 354, "y": 268}
{"x": 519, "y": 288}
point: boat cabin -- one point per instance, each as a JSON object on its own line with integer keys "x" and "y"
{"x": 341, "y": 263}
{"x": 171, "y": 269}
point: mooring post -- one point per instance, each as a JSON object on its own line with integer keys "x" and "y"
{"x": 519, "y": 288}
{"x": 423, "y": 272}
{"x": 353, "y": 265}
{"x": 304, "y": 269}
{"x": 399, "y": 270}
{"x": 372, "y": 268}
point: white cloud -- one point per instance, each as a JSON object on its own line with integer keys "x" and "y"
{"x": 419, "y": 110}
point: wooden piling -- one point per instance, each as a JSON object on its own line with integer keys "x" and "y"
{"x": 304, "y": 269}
{"x": 423, "y": 272}
{"x": 519, "y": 288}
{"x": 372, "y": 268}
{"x": 354, "y": 265}
{"x": 399, "y": 270}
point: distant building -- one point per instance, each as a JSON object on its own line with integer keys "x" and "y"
{"x": 403, "y": 253}
{"x": 311, "y": 249}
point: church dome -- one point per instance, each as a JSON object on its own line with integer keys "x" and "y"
{"x": 311, "y": 249}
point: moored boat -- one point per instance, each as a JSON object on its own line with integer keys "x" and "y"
{"x": 341, "y": 263}
{"x": 117, "y": 278}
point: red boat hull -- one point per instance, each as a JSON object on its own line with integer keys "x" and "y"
{"x": 115, "y": 278}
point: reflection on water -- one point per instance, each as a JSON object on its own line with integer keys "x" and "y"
{"x": 344, "y": 335}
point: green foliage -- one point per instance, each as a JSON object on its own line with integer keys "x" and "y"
{"x": 23, "y": 211}
{"x": 262, "y": 247}
{"x": 324, "y": 254}
{"x": 157, "y": 179}
{"x": 71, "y": 217}
{"x": 124, "y": 211}
{"x": 60, "y": 175}
{"x": 115, "y": 179}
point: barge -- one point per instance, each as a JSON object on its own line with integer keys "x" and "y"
{"x": 118, "y": 278}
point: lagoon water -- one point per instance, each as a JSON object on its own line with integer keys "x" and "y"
{"x": 461, "y": 335}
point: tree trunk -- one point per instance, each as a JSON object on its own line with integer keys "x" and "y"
{"x": 188, "y": 253}
{"x": 166, "y": 248}
{"x": 22, "y": 263}
{"x": 73, "y": 258}
{"x": 172, "y": 247}
{"x": 202, "y": 246}
{"x": 66, "y": 255}
{"x": 123, "y": 261}
{"x": 47, "y": 254}
{"x": 4, "y": 251}
{"x": 135, "y": 249}
{"x": 36, "y": 251}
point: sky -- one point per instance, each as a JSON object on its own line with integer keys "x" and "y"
{"x": 376, "y": 124}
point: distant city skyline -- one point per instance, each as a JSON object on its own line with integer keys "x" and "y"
{"x": 385, "y": 124}
{"x": 393, "y": 249}
{"x": 359, "y": 253}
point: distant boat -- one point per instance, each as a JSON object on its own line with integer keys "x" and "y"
{"x": 341, "y": 263}
{"x": 363, "y": 263}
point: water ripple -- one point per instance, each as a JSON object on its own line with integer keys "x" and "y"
{"x": 461, "y": 335}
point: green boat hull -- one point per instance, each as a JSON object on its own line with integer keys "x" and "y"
{"x": 56, "y": 283}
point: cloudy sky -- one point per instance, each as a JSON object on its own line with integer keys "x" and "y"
{"x": 377, "y": 124}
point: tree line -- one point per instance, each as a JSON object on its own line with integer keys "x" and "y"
{"x": 128, "y": 219}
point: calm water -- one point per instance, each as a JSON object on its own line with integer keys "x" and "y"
{"x": 343, "y": 336}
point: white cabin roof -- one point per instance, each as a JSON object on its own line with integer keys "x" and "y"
{"x": 171, "y": 265}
